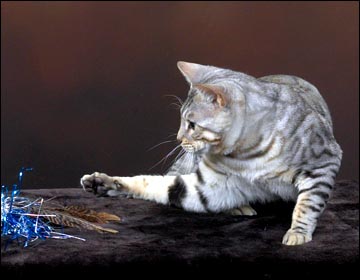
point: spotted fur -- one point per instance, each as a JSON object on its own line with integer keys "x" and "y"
{"x": 246, "y": 140}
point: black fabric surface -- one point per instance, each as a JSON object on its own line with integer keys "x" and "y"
{"x": 157, "y": 237}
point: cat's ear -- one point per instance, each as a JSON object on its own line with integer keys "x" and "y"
{"x": 213, "y": 93}
{"x": 192, "y": 71}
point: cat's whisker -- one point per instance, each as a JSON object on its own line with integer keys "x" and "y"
{"x": 157, "y": 145}
{"x": 182, "y": 152}
{"x": 171, "y": 153}
{"x": 176, "y": 97}
{"x": 166, "y": 157}
{"x": 178, "y": 106}
{"x": 190, "y": 162}
{"x": 172, "y": 134}
{"x": 179, "y": 155}
{"x": 187, "y": 162}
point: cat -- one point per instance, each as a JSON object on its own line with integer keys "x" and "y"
{"x": 247, "y": 140}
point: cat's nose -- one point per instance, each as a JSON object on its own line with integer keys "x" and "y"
{"x": 183, "y": 139}
{"x": 179, "y": 137}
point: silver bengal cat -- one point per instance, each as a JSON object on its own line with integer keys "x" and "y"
{"x": 246, "y": 140}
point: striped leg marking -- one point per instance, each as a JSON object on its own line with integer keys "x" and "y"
{"x": 313, "y": 195}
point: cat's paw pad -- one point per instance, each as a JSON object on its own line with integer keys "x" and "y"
{"x": 292, "y": 238}
{"x": 245, "y": 210}
{"x": 97, "y": 183}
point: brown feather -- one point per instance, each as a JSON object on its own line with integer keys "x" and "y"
{"x": 65, "y": 219}
{"x": 88, "y": 214}
{"x": 108, "y": 217}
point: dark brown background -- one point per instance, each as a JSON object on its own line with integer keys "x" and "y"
{"x": 83, "y": 85}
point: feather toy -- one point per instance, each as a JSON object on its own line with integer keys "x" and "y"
{"x": 79, "y": 217}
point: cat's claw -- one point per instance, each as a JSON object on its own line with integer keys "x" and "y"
{"x": 292, "y": 238}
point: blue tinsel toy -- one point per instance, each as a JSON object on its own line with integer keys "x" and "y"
{"x": 20, "y": 217}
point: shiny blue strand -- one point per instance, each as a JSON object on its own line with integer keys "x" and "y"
{"x": 18, "y": 219}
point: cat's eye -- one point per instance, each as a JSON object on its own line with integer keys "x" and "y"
{"x": 191, "y": 125}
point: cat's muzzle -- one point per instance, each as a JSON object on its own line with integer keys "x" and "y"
{"x": 193, "y": 147}
{"x": 188, "y": 148}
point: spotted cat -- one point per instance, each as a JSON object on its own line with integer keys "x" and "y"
{"x": 246, "y": 140}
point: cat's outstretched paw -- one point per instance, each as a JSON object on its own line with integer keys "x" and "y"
{"x": 292, "y": 238}
{"x": 99, "y": 183}
{"x": 245, "y": 210}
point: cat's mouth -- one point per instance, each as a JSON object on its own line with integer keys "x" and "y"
{"x": 188, "y": 148}
{"x": 194, "y": 147}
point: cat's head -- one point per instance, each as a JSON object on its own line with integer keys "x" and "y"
{"x": 207, "y": 115}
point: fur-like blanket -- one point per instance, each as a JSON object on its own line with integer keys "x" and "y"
{"x": 155, "y": 237}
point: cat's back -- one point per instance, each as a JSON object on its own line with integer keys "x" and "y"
{"x": 296, "y": 86}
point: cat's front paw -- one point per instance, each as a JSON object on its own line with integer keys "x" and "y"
{"x": 292, "y": 238}
{"x": 245, "y": 210}
{"x": 98, "y": 183}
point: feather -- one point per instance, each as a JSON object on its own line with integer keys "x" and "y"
{"x": 90, "y": 215}
{"x": 108, "y": 217}
{"x": 64, "y": 218}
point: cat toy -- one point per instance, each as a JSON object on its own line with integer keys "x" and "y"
{"x": 25, "y": 220}
{"x": 21, "y": 219}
